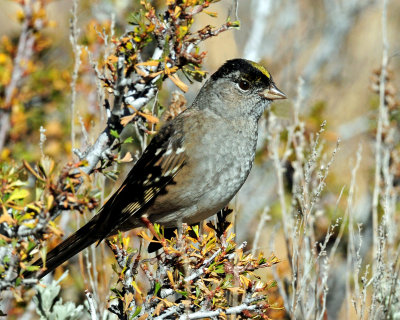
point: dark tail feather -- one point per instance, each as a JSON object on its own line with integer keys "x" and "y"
{"x": 80, "y": 240}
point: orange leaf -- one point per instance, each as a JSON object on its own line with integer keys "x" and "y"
{"x": 150, "y": 118}
{"x": 127, "y": 157}
{"x": 125, "y": 120}
{"x": 141, "y": 72}
{"x": 112, "y": 59}
{"x": 155, "y": 74}
{"x": 31, "y": 170}
{"x": 5, "y": 217}
{"x": 153, "y": 63}
{"x": 178, "y": 82}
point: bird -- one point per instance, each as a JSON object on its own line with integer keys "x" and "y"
{"x": 192, "y": 167}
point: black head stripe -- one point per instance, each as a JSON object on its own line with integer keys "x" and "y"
{"x": 253, "y": 71}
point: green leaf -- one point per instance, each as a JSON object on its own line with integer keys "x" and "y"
{"x": 195, "y": 229}
{"x": 114, "y": 267}
{"x": 235, "y": 24}
{"x": 114, "y": 133}
{"x": 183, "y": 293}
{"x": 157, "y": 288}
{"x": 31, "y": 245}
{"x": 17, "y": 183}
{"x": 219, "y": 269}
{"x": 32, "y": 268}
{"x": 211, "y": 14}
{"x": 262, "y": 261}
{"x": 137, "y": 311}
{"x": 128, "y": 140}
{"x": 112, "y": 175}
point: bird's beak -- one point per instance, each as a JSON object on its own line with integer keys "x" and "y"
{"x": 273, "y": 93}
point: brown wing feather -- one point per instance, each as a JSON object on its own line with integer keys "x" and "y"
{"x": 150, "y": 176}
{"x": 156, "y": 169}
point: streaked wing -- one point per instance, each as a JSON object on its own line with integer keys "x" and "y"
{"x": 159, "y": 164}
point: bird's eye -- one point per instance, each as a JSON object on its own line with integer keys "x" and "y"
{"x": 244, "y": 85}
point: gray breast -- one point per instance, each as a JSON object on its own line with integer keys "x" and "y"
{"x": 223, "y": 168}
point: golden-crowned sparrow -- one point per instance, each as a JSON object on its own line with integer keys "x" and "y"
{"x": 193, "y": 166}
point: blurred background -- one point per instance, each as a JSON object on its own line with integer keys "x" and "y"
{"x": 325, "y": 55}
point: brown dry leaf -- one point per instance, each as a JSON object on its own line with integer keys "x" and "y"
{"x": 144, "y": 316}
{"x": 158, "y": 308}
{"x": 177, "y": 105}
{"x": 237, "y": 290}
{"x": 127, "y": 299}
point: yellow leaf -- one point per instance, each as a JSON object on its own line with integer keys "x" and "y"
{"x": 18, "y": 194}
{"x": 177, "y": 11}
{"x": 166, "y": 302}
{"x": 244, "y": 280}
{"x": 50, "y": 200}
{"x": 27, "y": 216}
{"x": 125, "y": 241}
{"x": 5, "y": 153}
{"x": 3, "y": 58}
{"x": 134, "y": 284}
{"x": 17, "y": 296}
{"x": 211, "y": 14}
{"x": 33, "y": 207}
{"x": 29, "y": 225}
{"x": 145, "y": 236}
{"x": 171, "y": 277}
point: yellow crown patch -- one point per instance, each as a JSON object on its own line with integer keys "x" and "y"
{"x": 261, "y": 68}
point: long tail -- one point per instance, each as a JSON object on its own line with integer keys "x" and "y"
{"x": 75, "y": 243}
